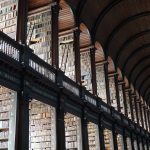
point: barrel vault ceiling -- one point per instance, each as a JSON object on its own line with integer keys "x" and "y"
{"x": 122, "y": 27}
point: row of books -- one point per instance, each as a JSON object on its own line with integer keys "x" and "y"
{"x": 120, "y": 143}
{"x": 112, "y": 89}
{"x": 67, "y": 56}
{"x": 41, "y": 126}
{"x": 86, "y": 70}
{"x": 128, "y": 104}
{"x": 39, "y": 34}
{"x": 101, "y": 85}
{"x": 108, "y": 139}
{"x": 72, "y": 132}
{"x": 8, "y": 17}
{"x": 3, "y": 145}
{"x": 121, "y": 98}
{"x": 93, "y": 136}
{"x": 7, "y": 117}
{"x": 4, "y": 124}
{"x": 4, "y": 134}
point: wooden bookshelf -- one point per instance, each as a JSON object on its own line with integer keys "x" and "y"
{"x": 129, "y": 143}
{"x": 67, "y": 56}
{"x": 7, "y": 118}
{"x": 86, "y": 70}
{"x": 112, "y": 90}
{"x": 120, "y": 142}
{"x": 42, "y": 132}
{"x": 93, "y": 136}
{"x": 128, "y": 104}
{"x": 121, "y": 98}
{"x": 72, "y": 132}
{"x": 39, "y": 32}
{"x": 101, "y": 85}
{"x": 8, "y": 17}
{"x": 108, "y": 139}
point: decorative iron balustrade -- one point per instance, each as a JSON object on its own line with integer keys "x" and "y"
{"x": 9, "y": 47}
{"x": 71, "y": 85}
{"x": 105, "y": 108}
{"x": 42, "y": 67}
{"x": 89, "y": 97}
{"x": 22, "y": 54}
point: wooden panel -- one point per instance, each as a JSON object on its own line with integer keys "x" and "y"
{"x": 33, "y": 4}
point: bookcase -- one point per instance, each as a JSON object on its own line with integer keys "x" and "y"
{"x": 135, "y": 144}
{"x": 134, "y": 111}
{"x": 141, "y": 146}
{"x": 8, "y": 17}
{"x": 67, "y": 56}
{"x": 8, "y": 104}
{"x": 93, "y": 137}
{"x": 145, "y": 147}
{"x": 42, "y": 126}
{"x": 101, "y": 85}
{"x": 128, "y": 104}
{"x": 139, "y": 114}
{"x": 121, "y": 98}
{"x": 86, "y": 70}
{"x": 39, "y": 32}
{"x": 108, "y": 139}
{"x": 120, "y": 142}
{"x": 129, "y": 146}
{"x": 73, "y": 135}
{"x": 143, "y": 116}
{"x": 112, "y": 90}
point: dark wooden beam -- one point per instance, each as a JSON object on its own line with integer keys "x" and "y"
{"x": 121, "y": 25}
{"x": 93, "y": 71}
{"x": 60, "y": 126}
{"x": 117, "y": 93}
{"x": 133, "y": 54}
{"x": 127, "y": 42}
{"x": 77, "y": 56}
{"x": 107, "y": 83}
{"x": 21, "y": 35}
{"x": 54, "y": 40}
{"x": 84, "y": 122}
{"x": 140, "y": 73}
{"x": 102, "y": 14}
{"x": 147, "y": 58}
{"x": 144, "y": 81}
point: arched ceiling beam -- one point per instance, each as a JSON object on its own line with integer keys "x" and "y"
{"x": 146, "y": 91}
{"x": 127, "y": 42}
{"x": 136, "y": 65}
{"x": 143, "y": 82}
{"x": 79, "y": 10}
{"x": 103, "y": 13}
{"x": 133, "y": 53}
{"x": 140, "y": 73}
{"x": 121, "y": 25}
{"x": 147, "y": 96}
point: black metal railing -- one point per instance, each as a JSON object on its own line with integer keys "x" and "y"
{"x": 90, "y": 98}
{"x": 71, "y": 86}
{"x": 42, "y": 67}
{"x": 10, "y": 47}
{"x": 24, "y": 55}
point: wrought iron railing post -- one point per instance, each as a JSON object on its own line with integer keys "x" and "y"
{"x": 26, "y": 54}
{"x": 59, "y": 78}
